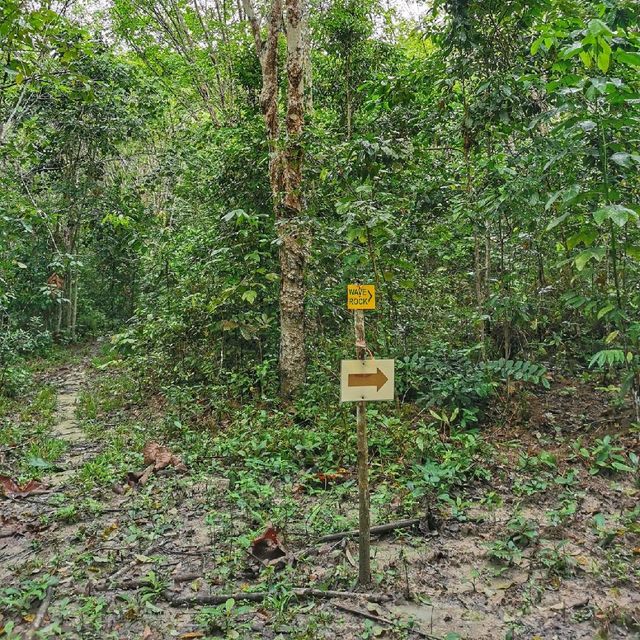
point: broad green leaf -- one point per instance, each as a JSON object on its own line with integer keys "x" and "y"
{"x": 585, "y": 236}
{"x": 571, "y": 50}
{"x": 625, "y": 159}
{"x": 633, "y": 251}
{"x": 608, "y": 357}
{"x": 559, "y": 220}
{"x": 587, "y": 125}
{"x": 586, "y": 58}
{"x": 617, "y": 213}
{"x": 249, "y": 296}
{"x": 584, "y": 257}
{"x": 599, "y": 85}
{"x": 536, "y": 45}
{"x": 597, "y": 27}
{"x": 605, "y": 310}
{"x": 604, "y": 45}
{"x": 621, "y": 466}
{"x": 611, "y": 337}
{"x": 603, "y": 61}
{"x": 630, "y": 58}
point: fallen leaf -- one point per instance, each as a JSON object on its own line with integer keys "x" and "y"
{"x": 10, "y": 527}
{"x": 335, "y": 477}
{"x": 156, "y": 458}
{"x": 161, "y": 457}
{"x": 147, "y": 634}
{"x": 109, "y": 530}
{"x": 268, "y": 547}
{"x": 191, "y": 634}
{"x": 13, "y": 490}
{"x": 350, "y": 557}
{"x": 135, "y": 478}
{"x": 143, "y": 559}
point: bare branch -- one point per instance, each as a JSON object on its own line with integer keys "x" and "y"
{"x": 255, "y": 25}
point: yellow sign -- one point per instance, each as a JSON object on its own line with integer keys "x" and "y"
{"x": 361, "y": 296}
{"x": 366, "y": 380}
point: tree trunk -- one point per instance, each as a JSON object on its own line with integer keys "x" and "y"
{"x": 293, "y": 240}
{"x": 69, "y": 297}
{"x": 285, "y": 176}
{"x": 74, "y": 305}
{"x": 58, "y": 329}
{"x": 308, "y": 75}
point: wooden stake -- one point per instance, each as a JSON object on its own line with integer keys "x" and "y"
{"x": 364, "y": 538}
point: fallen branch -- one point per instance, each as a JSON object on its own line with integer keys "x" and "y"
{"x": 380, "y": 619}
{"x": 187, "y": 577}
{"x": 253, "y": 596}
{"x": 42, "y": 612}
{"x": 107, "y": 583}
{"x": 381, "y": 528}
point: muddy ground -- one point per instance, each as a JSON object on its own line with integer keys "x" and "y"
{"x": 118, "y": 560}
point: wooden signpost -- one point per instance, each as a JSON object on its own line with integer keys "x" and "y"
{"x": 362, "y": 380}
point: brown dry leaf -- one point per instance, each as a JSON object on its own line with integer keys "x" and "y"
{"x": 341, "y": 475}
{"x": 161, "y": 457}
{"x": 10, "y": 527}
{"x": 268, "y": 547}
{"x": 135, "y": 478}
{"x": 13, "y": 490}
{"x": 146, "y": 474}
{"x": 191, "y": 634}
{"x": 349, "y": 555}
{"x": 147, "y": 634}
{"x": 109, "y": 530}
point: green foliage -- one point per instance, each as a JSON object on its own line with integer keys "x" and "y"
{"x": 221, "y": 618}
{"x": 25, "y": 423}
{"x": 521, "y": 533}
{"x": 20, "y": 599}
{"x": 16, "y": 344}
{"x": 606, "y": 456}
{"x": 556, "y": 561}
{"x": 478, "y": 168}
{"x": 442, "y": 376}
{"x": 446, "y": 465}
{"x": 519, "y": 370}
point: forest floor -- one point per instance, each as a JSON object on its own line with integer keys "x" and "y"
{"x": 106, "y": 544}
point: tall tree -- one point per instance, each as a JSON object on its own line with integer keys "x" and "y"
{"x": 285, "y": 175}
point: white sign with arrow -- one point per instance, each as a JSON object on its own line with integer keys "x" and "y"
{"x": 366, "y": 380}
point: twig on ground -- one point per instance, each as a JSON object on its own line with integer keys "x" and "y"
{"x": 187, "y": 577}
{"x": 42, "y": 612}
{"x": 253, "y": 596}
{"x": 107, "y": 582}
{"x": 381, "y": 528}
{"x": 380, "y": 619}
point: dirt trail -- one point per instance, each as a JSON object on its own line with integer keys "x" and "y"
{"x": 67, "y": 426}
{"x": 69, "y": 382}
